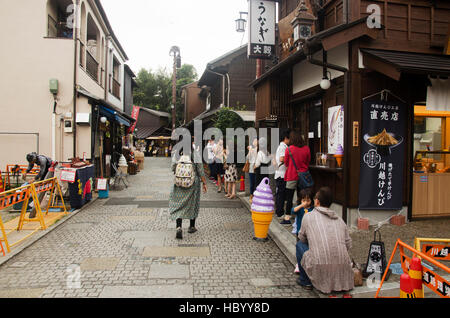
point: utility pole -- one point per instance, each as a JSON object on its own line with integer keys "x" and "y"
{"x": 175, "y": 51}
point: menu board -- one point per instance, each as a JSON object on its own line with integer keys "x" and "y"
{"x": 382, "y": 155}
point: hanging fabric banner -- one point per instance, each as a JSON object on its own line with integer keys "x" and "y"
{"x": 134, "y": 115}
{"x": 261, "y": 42}
{"x": 382, "y": 155}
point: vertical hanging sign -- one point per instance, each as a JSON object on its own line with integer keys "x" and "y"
{"x": 261, "y": 44}
{"x": 382, "y": 155}
{"x": 134, "y": 115}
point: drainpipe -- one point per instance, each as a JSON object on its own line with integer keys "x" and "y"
{"x": 108, "y": 37}
{"x": 75, "y": 68}
{"x": 228, "y": 90}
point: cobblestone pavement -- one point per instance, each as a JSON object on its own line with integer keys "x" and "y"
{"x": 125, "y": 246}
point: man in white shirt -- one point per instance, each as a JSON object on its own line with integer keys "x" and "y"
{"x": 280, "y": 196}
{"x": 209, "y": 149}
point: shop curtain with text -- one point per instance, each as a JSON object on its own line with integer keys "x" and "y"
{"x": 382, "y": 155}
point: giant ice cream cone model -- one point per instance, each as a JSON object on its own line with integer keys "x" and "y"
{"x": 123, "y": 165}
{"x": 262, "y": 209}
{"x": 339, "y": 155}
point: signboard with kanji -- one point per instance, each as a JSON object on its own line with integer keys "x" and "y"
{"x": 262, "y": 21}
{"x": 382, "y": 155}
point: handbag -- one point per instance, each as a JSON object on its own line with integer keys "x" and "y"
{"x": 246, "y": 167}
{"x": 305, "y": 179}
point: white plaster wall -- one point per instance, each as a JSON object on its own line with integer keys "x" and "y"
{"x": 307, "y": 75}
{"x": 29, "y": 61}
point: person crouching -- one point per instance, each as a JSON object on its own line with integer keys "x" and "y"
{"x": 322, "y": 249}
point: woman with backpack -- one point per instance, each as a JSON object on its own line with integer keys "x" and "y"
{"x": 184, "y": 200}
{"x": 296, "y": 159}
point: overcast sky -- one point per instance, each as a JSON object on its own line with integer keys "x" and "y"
{"x": 203, "y": 29}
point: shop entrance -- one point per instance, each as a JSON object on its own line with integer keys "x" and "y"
{"x": 431, "y": 166}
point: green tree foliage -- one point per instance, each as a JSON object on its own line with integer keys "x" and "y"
{"x": 155, "y": 89}
{"x": 226, "y": 118}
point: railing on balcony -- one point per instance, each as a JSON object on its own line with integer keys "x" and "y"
{"x": 115, "y": 88}
{"x": 58, "y": 29}
{"x": 91, "y": 66}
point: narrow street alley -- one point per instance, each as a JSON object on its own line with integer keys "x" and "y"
{"x": 125, "y": 246}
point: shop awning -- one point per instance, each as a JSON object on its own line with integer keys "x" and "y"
{"x": 394, "y": 63}
{"x": 114, "y": 115}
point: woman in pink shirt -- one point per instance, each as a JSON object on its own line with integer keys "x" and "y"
{"x": 300, "y": 153}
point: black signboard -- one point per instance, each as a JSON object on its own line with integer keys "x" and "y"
{"x": 382, "y": 155}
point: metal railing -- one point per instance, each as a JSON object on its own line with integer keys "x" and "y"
{"x": 115, "y": 88}
{"x": 91, "y": 66}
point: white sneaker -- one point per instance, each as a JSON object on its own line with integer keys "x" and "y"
{"x": 296, "y": 271}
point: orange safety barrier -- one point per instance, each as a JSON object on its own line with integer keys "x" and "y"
{"x": 429, "y": 278}
{"x": 24, "y": 194}
{"x": 51, "y": 185}
{"x": 11, "y": 171}
{"x": 2, "y": 186}
{"x": 10, "y": 198}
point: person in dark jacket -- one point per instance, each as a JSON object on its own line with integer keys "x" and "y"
{"x": 43, "y": 162}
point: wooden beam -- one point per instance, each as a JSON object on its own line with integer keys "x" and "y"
{"x": 447, "y": 45}
{"x": 348, "y": 35}
{"x": 381, "y": 67}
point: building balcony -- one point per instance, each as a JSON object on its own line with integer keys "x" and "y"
{"x": 92, "y": 66}
{"x": 115, "y": 88}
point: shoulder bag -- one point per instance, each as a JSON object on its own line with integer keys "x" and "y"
{"x": 305, "y": 179}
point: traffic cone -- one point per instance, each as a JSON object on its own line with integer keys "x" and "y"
{"x": 242, "y": 188}
{"x": 415, "y": 272}
{"x": 406, "y": 288}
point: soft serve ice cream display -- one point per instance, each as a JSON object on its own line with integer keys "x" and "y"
{"x": 339, "y": 155}
{"x": 262, "y": 209}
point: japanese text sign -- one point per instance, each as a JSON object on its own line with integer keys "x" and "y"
{"x": 382, "y": 155}
{"x": 261, "y": 42}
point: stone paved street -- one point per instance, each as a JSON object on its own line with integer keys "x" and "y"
{"x": 125, "y": 246}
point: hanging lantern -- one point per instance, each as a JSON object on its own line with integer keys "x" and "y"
{"x": 241, "y": 23}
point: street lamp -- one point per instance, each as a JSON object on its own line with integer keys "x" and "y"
{"x": 175, "y": 52}
{"x": 241, "y": 22}
{"x": 325, "y": 83}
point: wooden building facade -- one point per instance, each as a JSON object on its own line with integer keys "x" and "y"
{"x": 399, "y": 56}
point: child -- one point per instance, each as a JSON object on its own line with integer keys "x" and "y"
{"x": 305, "y": 205}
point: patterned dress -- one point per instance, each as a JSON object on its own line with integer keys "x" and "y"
{"x": 231, "y": 173}
{"x": 185, "y": 203}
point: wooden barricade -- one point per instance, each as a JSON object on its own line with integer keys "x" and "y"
{"x": 23, "y": 195}
{"x": 432, "y": 280}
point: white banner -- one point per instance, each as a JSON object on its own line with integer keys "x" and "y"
{"x": 262, "y": 20}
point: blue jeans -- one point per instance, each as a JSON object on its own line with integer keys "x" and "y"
{"x": 252, "y": 178}
{"x": 301, "y": 248}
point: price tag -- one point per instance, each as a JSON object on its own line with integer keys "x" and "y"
{"x": 68, "y": 175}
